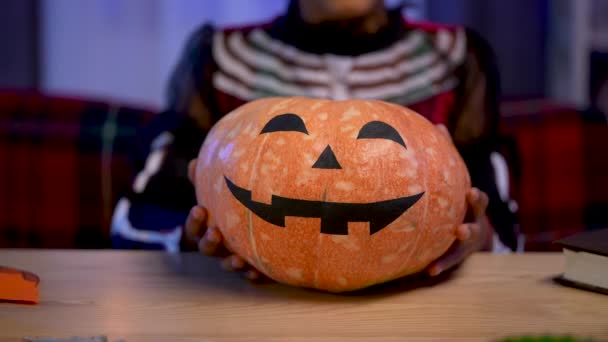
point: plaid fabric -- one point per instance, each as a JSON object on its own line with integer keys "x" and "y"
{"x": 64, "y": 164}
{"x": 561, "y": 170}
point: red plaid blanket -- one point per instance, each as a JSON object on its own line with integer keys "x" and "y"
{"x": 63, "y": 164}
{"x": 561, "y": 170}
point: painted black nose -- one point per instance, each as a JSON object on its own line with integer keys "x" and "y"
{"x": 327, "y": 160}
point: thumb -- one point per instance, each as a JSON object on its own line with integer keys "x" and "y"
{"x": 192, "y": 170}
{"x": 444, "y": 130}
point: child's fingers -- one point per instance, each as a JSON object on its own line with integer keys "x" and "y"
{"x": 210, "y": 242}
{"x": 256, "y": 276}
{"x": 463, "y": 232}
{"x": 253, "y": 275}
{"x": 478, "y": 201}
{"x": 196, "y": 223}
{"x": 453, "y": 257}
{"x": 192, "y": 170}
{"x": 233, "y": 263}
{"x": 445, "y": 131}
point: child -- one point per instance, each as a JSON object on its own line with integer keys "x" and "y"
{"x": 335, "y": 49}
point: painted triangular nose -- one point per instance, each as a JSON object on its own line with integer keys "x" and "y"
{"x": 327, "y": 160}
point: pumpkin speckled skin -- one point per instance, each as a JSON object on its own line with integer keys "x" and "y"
{"x": 281, "y": 163}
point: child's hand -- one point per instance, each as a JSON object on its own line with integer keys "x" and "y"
{"x": 210, "y": 240}
{"x": 472, "y": 236}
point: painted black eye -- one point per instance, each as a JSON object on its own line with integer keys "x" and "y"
{"x": 380, "y": 130}
{"x": 285, "y": 122}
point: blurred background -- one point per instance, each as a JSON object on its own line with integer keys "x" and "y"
{"x": 125, "y": 50}
{"x": 78, "y": 78}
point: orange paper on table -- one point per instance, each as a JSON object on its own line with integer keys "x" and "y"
{"x": 17, "y": 285}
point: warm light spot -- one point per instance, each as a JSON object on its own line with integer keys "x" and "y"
{"x": 425, "y": 255}
{"x": 451, "y": 213}
{"x": 309, "y": 159}
{"x": 414, "y": 189}
{"x": 344, "y": 186}
{"x": 389, "y": 258}
{"x": 413, "y": 162}
{"x": 265, "y": 169}
{"x": 294, "y": 273}
{"x": 404, "y": 228}
{"x": 339, "y": 238}
{"x": 234, "y": 132}
{"x": 316, "y": 105}
{"x": 446, "y": 176}
{"x": 232, "y": 219}
{"x": 443, "y": 228}
{"x": 272, "y": 157}
{"x": 349, "y": 114}
{"x": 407, "y": 173}
{"x": 279, "y": 106}
{"x": 403, "y": 248}
{"x": 346, "y": 242}
{"x": 217, "y": 187}
{"x": 305, "y": 178}
{"x": 235, "y": 114}
{"x": 310, "y": 137}
{"x": 443, "y": 203}
{"x": 405, "y": 111}
{"x": 345, "y": 129}
{"x": 250, "y": 129}
{"x": 319, "y": 146}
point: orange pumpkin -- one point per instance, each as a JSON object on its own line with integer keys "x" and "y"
{"x": 332, "y": 195}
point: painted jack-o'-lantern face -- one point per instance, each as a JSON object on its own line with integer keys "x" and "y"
{"x": 332, "y": 195}
{"x": 334, "y": 216}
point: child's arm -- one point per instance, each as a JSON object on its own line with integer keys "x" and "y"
{"x": 475, "y": 130}
{"x": 152, "y": 213}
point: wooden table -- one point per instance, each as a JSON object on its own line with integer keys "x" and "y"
{"x": 150, "y": 296}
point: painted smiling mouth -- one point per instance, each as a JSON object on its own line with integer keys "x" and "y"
{"x": 334, "y": 216}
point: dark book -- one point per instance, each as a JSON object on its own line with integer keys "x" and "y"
{"x": 586, "y": 260}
